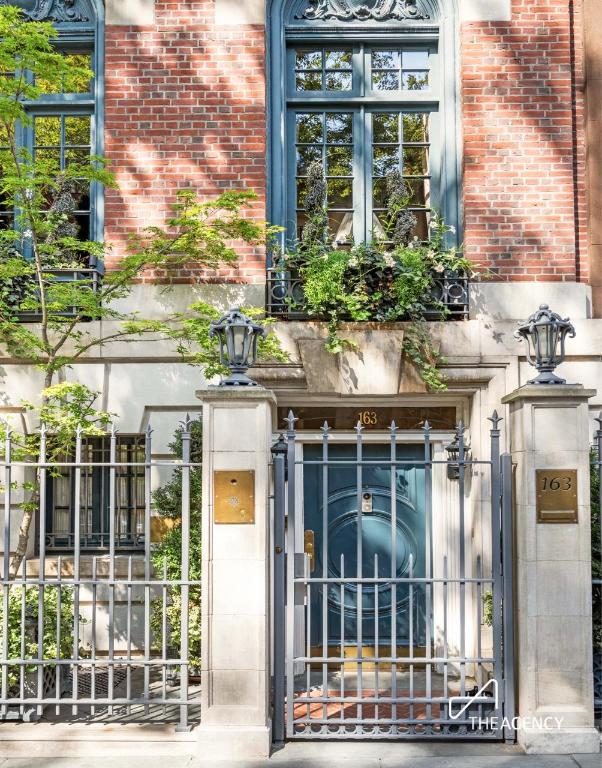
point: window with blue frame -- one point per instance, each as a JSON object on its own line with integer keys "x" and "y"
{"x": 66, "y": 125}
{"x": 365, "y": 94}
{"x": 96, "y": 500}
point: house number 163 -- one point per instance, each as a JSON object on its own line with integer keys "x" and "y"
{"x": 368, "y": 418}
{"x": 557, "y": 483}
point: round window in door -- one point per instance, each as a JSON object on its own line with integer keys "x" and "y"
{"x": 368, "y": 526}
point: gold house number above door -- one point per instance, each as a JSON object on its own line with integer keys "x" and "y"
{"x": 556, "y": 495}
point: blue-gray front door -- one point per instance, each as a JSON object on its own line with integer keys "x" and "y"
{"x": 342, "y": 500}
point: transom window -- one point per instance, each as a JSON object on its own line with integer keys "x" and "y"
{"x": 363, "y": 112}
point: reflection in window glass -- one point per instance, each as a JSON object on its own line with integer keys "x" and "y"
{"x": 64, "y": 140}
{"x": 400, "y": 142}
{"x": 323, "y": 69}
{"x": 394, "y": 70}
{"x": 360, "y": 141}
{"x": 73, "y": 82}
{"x": 327, "y": 137}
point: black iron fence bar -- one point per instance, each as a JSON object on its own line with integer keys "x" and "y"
{"x": 119, "y": 661}
{"x": 42, "y": 568}
{"x": 112, "y": 488}
{"x": 99, "y": 702}
{"x": 396, "y": 580}
{"x": 390, "y": 700}
{"x": 279, "y": 690}
{"x": 335, "y": 660}
{"x": 325, "y": 494}
{"x": 76, "y": 561}
{"x": 462, "y": 550}
{"x": 393, "y": 625}
{"x": 496, "y": 541}
{"x": 291, "y": 504}
{"x": 388, "y": 462}
{"x": 507, "y": 629}
{"x": 99, "y": 464}
{"x": 147, "y": 558}
{"x": 372, "y": 722}
{"x": 428, "y": 552}
{"x": 6, "y": 563}
{"x": 70, "y": 582}
{"x": 184, "y": 626}
{"x": 359, "y": 562}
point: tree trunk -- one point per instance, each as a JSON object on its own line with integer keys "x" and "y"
{"x": 32, "y": 507}
{"x": 28, "y": 515}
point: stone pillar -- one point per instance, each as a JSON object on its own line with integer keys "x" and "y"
{"x": 549, "y": 429}
{"x": 235, "y": 673}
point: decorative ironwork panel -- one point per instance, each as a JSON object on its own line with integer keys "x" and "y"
{"x": 284, "y": 296}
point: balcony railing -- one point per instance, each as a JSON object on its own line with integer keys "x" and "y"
{"x": 450, "y": 296}
{"x": 85, "y": 276}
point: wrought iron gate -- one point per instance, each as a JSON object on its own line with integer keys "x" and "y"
{"x": 408, "y": 632}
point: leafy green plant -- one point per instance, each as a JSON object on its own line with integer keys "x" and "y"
{"x": 196, "y": 347}
{"x": 23, "y": 613}
{"x": 75, "y": 316}
{"x": 167, "y": 554}
{"x": 386, "y": 280}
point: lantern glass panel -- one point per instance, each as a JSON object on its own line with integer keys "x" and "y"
{"x": 238, "y": 344}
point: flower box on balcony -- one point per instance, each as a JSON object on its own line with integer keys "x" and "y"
{"x": 285, "y": 299}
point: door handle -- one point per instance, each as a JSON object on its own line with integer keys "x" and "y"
{"x": 309, "y": 548}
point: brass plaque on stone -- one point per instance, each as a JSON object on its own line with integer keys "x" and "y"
{"x": 556, "y": 495}
{"x": 234, "y": 496}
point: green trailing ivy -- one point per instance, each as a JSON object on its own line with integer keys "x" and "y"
{"x": 387, "y": 280}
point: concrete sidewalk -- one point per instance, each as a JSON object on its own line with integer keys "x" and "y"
{"x": 339, "y": 755}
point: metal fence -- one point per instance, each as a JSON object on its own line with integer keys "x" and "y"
{"x": 597, "y": 566}
{"x": 407, "y": 632}
{"x": 99, "y": 633}
{"x": 450, "y": 296}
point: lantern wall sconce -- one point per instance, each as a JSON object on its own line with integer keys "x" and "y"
{"x": 453, "y": 455}
{"x": 545, "y": 333}
{"x": 237, "y": 337}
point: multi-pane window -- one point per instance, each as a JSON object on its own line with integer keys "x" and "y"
{"x": 64, "y": 129}
{"x": 95, "y": 503}
{"x": 363, "y": 112}
{"x": 62, "y": 139}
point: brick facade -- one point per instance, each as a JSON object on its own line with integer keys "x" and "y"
{"x": 185, "y": 105}
{"x": 524, "y": 174}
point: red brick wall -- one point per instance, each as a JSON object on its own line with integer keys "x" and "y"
{"x": 524, "y": 194}
{"x": 185, "y": 105}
